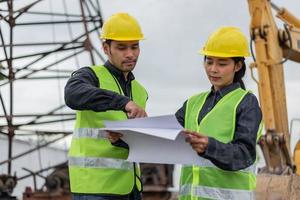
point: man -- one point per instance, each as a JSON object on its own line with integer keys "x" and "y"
{"x": 97, "y": 165}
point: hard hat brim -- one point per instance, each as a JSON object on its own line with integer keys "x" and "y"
{"x": 221, "y": 54}
{"x": 122, "y": 39}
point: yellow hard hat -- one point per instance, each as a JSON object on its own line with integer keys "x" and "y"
{"x": 226, "y": 42}
{"x": 121, "y": 27}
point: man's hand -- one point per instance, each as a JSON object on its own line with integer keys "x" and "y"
{"x": 134, "y": 111}
{"x": 198, "y": 141}
{"x": 113, "y": 136}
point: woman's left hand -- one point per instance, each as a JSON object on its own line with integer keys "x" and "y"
{"x": 198, "y": 141}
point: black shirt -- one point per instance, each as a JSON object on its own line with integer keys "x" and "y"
{"x": 240, "y": 153}
{"x": 82, "y": 90}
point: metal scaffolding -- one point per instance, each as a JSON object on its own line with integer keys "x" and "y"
{"x": 25, "y": 55}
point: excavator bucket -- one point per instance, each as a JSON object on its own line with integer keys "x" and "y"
{"x": 278, "y": 187}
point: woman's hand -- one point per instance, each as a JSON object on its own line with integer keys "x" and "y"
{"x": 113, "y": 136}
{"x": 198, "y": 141}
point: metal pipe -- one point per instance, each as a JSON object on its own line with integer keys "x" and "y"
{"x": 76, "y": 39}
{"x": 39, "y": 44}
{"x": 47, "y": 13}
{"x": 46, "y": 67}
{"x": 42, "y": 170}
{"x": 4, "y": 109}
{"x": 51, "y": 64}
{"x": 47, "y": 70}
{"x": 4, "y": 49}
{"x": 275, "y": 7}
{"x": 43, "y": 78}
{"x": 54, "y": 22}
{"x": 50, "y": 112}
{"x": 45, "y": 122}
{"x": 11, "y": 77}
{"x": 88, "y": 41}
{"x": 42, "y": 115}
{"x": 32, "y": 150}
{"x": 286, "y": 16}
{"x": 44, "y": 53}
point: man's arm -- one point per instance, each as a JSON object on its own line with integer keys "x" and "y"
{"x": 82, "y": 92}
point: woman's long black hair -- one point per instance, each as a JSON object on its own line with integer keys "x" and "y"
{"x": 238, "y": 76}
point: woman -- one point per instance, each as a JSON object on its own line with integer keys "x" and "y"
{"x": 221, "y": 125}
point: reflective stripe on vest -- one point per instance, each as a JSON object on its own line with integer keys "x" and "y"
{"x": 207, "y": 180}
{"x": 95, "y": 165}
{"x": 90, "y": 162}
{"x": 95, "y": 133}
{"x": 208, "y": 163}
{"x": 215, "y": 193}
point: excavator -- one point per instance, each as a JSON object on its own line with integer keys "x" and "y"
{"x": 279, "y": 179}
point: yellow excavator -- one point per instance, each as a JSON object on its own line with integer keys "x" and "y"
{"x": 279, "y": 179}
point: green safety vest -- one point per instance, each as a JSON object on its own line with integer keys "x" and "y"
{"x": 96, "y": 166}
{"x": 207, "y": 181}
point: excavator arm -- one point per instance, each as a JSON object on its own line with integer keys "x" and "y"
{"x": 268, "y": 61}
{"x": 273, "y": 46}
